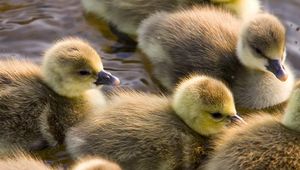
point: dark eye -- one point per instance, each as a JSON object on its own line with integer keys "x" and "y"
{"x": 258, "y": 51}
{"x": 84, "y": 72}
{"x": 217, "y": 115}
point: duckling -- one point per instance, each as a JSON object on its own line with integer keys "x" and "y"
{"x": 38, "y": 105}
{"x": 251, "y": 60}
{"x": 95, "y": 163}
{"x": 146, "y": 131}
{"x": 126, "y": 15}
{"x": 266, "y": 142}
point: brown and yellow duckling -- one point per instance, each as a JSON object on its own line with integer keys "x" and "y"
{"x": 146, "y": 131}
{"x": 266, "y": 142}
{"x": 249, "y": 56}
{"x": 38, "y": 105}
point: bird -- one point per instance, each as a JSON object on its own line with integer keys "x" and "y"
{"x": 146, "y": 131}
{"x": 39, "y": 103}
{"x": 265, "y": 142}
{"x": 249, "y": 56}
{"x": 127, "y": 15}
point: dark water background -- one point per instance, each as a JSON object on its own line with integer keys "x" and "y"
{"x": 28, "y": 27}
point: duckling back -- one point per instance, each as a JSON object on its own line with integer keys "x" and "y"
{"x": 199, "y": 40}
{"x": 32, "y": 115}
{"x": 139, "y": 131}
{"x": 194, "y": 40}
{"x": 15, "y": 72}
{"x": 17, "y": 79}
{"x": 262, "y": 144}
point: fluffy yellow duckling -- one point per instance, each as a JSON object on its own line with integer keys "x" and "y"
{"x": 126, "y": 15}
{"x": 145, "y": 131}
{"x": 266, "y": 142}
{"x": 249, "y": 57}
{"x": 38, "y": 105}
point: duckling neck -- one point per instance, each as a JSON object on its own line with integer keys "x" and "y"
{"x": 255, "y": 89}
{"x": 291, "y": 118}
{"x": 64, "y": 91}
{"x": 62, "y": 114}
{"x": 58, "y": 85}
{"x": 179, "y": 109}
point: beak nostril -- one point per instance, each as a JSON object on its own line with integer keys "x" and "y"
{"x": 106, "y": 77}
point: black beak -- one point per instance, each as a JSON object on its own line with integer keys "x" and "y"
{"x": 237, "y": 119}
{"x": 277, "y": 69}
{"x": 106, "y": 78}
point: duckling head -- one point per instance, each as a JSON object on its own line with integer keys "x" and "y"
{"x": 262, "y": 45}
{"x": 291, "y": 118}
{"x": 205, "y": 104}
{"x": 71, "y": 66}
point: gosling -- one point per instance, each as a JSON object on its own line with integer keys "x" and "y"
{"x": 126, "y": 15}
{"x": 264, "y": 143}
{"x": 145, "y": 131}
{"x": 38, "y": 105}
{"x": 198, "y": 40}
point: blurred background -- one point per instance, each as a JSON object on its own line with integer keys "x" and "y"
{"x": 28, "y": 27}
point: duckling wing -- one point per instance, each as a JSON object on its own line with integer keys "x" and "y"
{"x": 14, "y": 73}
{"x": 20, "y": 103}
{"x": 139, "y": 132}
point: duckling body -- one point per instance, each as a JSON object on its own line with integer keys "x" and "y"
{"x": 142, "y": 131}
{"x": 127, "y": 138}
{"x": 29, "y": 108}
{"x": 128, "y": 14}
{"x": 37, "y": 105}
{"x": 262, "y": 144}
{"x": 266, "y": 142}
{"x": 198, "y": 40}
